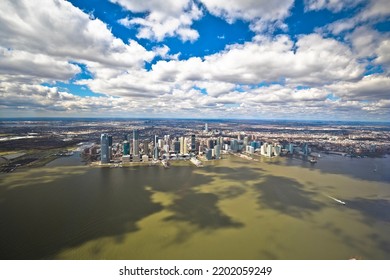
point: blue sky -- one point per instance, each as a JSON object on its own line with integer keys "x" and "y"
{"x": 309, "y": 59}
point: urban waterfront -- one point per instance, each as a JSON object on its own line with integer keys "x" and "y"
{"x": 233, "y": 208}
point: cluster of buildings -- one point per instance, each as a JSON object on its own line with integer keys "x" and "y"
{"x": 132, "y": 149}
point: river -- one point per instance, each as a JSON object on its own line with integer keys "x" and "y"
{"x": 229, "y": 209}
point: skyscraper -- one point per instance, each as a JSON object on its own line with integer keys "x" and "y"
{"x": 105, "y": 148}
{"x": 135, "y": 143}
{"x": 269, "y": 150}
{"x": 193, "y": 143}
{"x": 146, "y": 147}
{"x": 155, "y": 148}
{"x": 176, "y": 146}
{"x": 206, "y": 129}
{"x": 234, "y": 145}
{"x": 126, "y": 148}
{"x": 217, "y": 149}
{"x": 183, "y": 145}
{"x": 305, "y": 149}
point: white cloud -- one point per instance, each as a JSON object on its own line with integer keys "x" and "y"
{"x": 22, "y": 63}
{"x": 374, "y": 11}
{"x": 371, "y": 45}
{"x": 332, "y": 5}
{"x": 164, "y": 18}
{"x": 35, "y": 47}
{"x": 58, "y": 29}
{"x": 249, "y": 10}
{"x": 312, "y": 60}
{"x": 369, "y": 88}
{"x": 263, "y": 15}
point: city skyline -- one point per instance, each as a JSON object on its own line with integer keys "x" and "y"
{"x": 302, "y": 60}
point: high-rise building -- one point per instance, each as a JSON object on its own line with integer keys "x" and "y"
{"x": 208, "y": 154}
{"x": 305, "y": 149}
{"x": 234, "y": 145}
{"x": 105, "y": 148}
{"x": 210, "y": 143}
{"x": 201, "y": 148}
{"x": 135, "y": 142}
{"x": 250, "y": 149}
{"x": 161, "y": 143}
{"x": 246, "y": 141}
{"x": 146, "y": 147}
{"x": 176, "y": 146}
{"x": 156, "y": 151}
{"x": 193, "y": 143}
{"x": 269, "y": 150}
{"x": 126, "y": 147}
{"x": 217, "y": 149}
{"x": 206, "y": 129}
{"x": 183, "y": 145}
{"x": 277, "y": 150}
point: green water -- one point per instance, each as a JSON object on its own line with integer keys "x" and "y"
{"x": 230, "y": 209}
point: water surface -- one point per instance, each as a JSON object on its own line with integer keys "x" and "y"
{"x": 230, "y": 209}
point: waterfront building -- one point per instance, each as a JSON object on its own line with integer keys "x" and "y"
{"x": 161, "y": 143}
{"x": 234, "y": 145}
{"x": 250, "y": 149}
{"x": 126, "y": 158}
{"x": 305, "y": 149}
{"x": 183, "y": 146}
{"x": 156, "y": 153}
{"x": 277, "y": 150}
{"x": 217, "y": 149}
{"x": 126, "y": 147}
{"x": 136, "y": 158}
{"x": 290, "y": 148}
{"x": 246, "y": 141}
{"x": 105, "y": 155}
{"x": 166, "y": 148}
{"x": 156, "y": 150}
{"x": 210, "y": 143}
{"x": 193, "y": 143}
{"x": 176, "y": 146}
{"x": 201, "y": 148}
{"x": 146, "y": 147}
{"x": 263, "y": 149}
{"x": 269, "y": 150}
{"x": 213, "y": 153}
{"x": 135, "y": 142}
{"x": 208, "y": 153}
{"x": 145, "y": 158}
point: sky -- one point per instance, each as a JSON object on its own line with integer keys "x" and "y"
{"x": 236, "y": 59}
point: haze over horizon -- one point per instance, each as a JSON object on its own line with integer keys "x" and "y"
{"x": 236, "y": 59}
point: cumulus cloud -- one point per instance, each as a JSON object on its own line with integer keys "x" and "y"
{"x": 371, "y": 45}
{"x": 262, "y": 14}
{"x": 40, "y": 29}
{"x": 369, "y": 88}
{"x": 26, "y": 64}
{"x": 373, "y": 12}
{"x": 258, "y": 78}
{"x": 332, "y": 5}
{"x": 311, "y": 60}
{"x": 163, "y": 18}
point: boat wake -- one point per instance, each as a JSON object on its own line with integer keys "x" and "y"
{"x": 337, "y": 200}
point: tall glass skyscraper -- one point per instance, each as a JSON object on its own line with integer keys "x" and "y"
{"x": 105, "y": 148}
{"x": 155, "y": 149}
{"x": 193, "y": 144}
{"x": 135, "y": 142}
